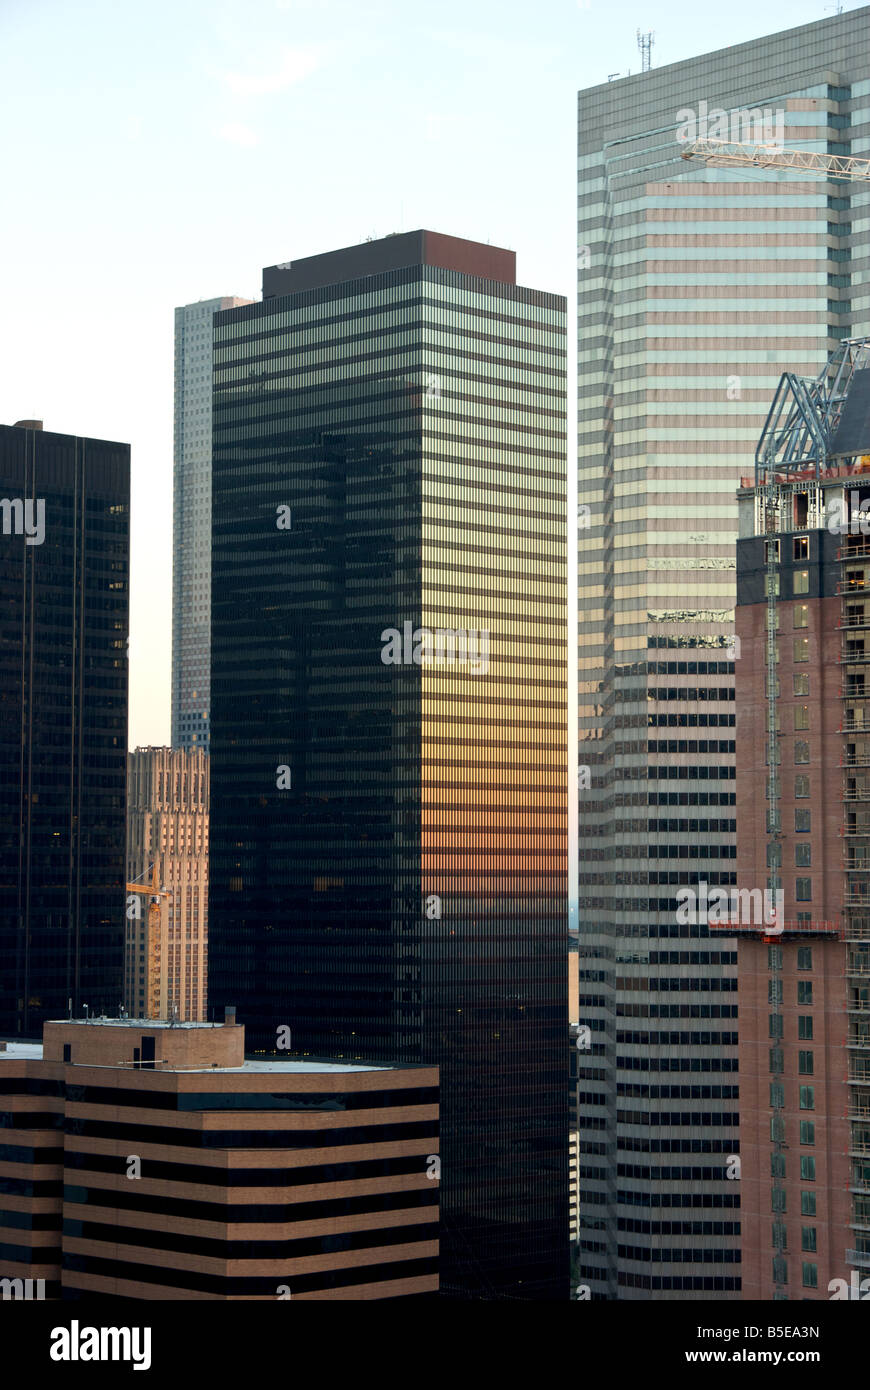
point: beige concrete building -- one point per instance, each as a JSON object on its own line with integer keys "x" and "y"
{"x": 166, "y": 957}
{"x": 146, "y": 1160}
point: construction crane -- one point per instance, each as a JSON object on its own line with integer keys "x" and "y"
{"x": 154, "y": 953}
{"x": 760, "y": 156}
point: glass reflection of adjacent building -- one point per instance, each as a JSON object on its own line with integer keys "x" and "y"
{"x": 697, "y": 288}
{"x": 389, "y": 463}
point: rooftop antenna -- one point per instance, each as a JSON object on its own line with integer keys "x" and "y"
{"x": 645, "y": 43}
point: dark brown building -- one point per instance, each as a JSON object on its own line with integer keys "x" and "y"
{"x": 151, "y": 1161}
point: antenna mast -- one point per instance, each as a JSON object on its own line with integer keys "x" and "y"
{"x": 645, "y": 43}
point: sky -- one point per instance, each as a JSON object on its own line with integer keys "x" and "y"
{"x": 155, "y": 154}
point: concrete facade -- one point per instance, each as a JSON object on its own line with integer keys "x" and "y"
{"x": 194, "y": 1174}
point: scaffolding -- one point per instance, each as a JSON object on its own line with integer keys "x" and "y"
{"x": 854, "y": 587}
{"x": 800, "y": 434}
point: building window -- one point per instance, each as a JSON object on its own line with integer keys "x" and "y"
{"x": 777, "y": 1094}
{"x": 807, "y": 1098}
{"x": 777, "y": 1128}
{"x": 801, "y": 685}
{"x": 801, "y": 716}
{"x": 774, "y": 856}
{"x": 805, "y": 962}
{"x": 67, "y": 1052}
{"x": 805, "y": 1064}
{"x": 802, "y": 649}
{"x": 778, "y": 1235}
{"x": 774, "y": 957}
{"x": 801, "y": 750}
{"x": 805, "y": 1025}
{"x": 801, "y": 548}
{"x": 808, "y": 1132}
{"x": 808, "y": 1168}
{"x": 802, "y": 822}
{"x": 780, "y": 1270}
{"x": 771, "y": 551}
{"x": 777, "y": 1170}
{"x": 802, "y": 856}
{"x": 805, "y": 987}
{"x": 808, "y": 1204}
{"x": 774, "y": 991}
{"x": 801, "y": 582}
{"x": 801, "y": 785}
{"x": 803, "y": 890}
{"x": 810, "y": 1275}
{"x": 801, "y": 615}
{"x": 771, "y": 585}
{"x": 774, "y": 1024}
{"x": 775, "y": 1059}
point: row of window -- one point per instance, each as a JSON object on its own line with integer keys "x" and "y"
{"x": 809, "y": 1272}
{"x": 777, "y": 1169}
{"x": 802, "y": 856}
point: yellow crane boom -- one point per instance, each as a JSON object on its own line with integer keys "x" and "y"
{"x": 826, "y": 166}
{"x": 154, "y": 1001}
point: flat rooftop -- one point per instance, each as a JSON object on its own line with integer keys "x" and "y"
{"x": 391, "y": 253}
{"x": 150, "y": 1023}
{"x": 227, "y": 1053}
{"x": 18, "y": 1050}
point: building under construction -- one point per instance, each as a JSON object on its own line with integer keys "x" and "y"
{"x": 803, "y": 831}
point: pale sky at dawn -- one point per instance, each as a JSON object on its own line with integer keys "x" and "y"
{"x": 157, "y": 154}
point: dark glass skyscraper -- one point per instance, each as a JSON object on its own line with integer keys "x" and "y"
{"x": 388, "y": 873}
{"x": 64, "y": 569}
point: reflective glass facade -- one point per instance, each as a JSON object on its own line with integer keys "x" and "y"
{"x": 388, "y": 837}
{"x": 191, "y": 521}
{"x": 697, "y": 287}
{"x": 63, "y": 727}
